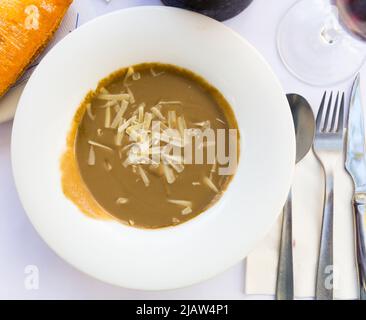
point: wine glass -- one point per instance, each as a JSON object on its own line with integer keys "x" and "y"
{"x": 321, "y": 41}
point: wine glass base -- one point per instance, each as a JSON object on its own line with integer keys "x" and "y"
{"x": 315, "y": 47}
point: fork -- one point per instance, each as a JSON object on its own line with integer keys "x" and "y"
{"x": 328, "y": 148}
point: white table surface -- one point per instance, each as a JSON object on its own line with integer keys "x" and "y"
{"x": 20, "y": 246}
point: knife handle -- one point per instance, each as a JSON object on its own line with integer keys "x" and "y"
{"x": 359, "y": 207}
{"x": 324, "y": 276}
{"x": 285, "y": 273}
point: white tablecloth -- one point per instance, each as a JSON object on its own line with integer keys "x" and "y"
{"x": 20, "y": 246}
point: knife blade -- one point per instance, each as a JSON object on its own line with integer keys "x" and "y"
{"x": 356, "y": 167}
{"x": 356, "y": 150}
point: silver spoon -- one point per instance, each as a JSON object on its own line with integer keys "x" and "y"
{"x": 304, "y": 122}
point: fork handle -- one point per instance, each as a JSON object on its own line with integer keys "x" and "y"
{"x": 285, "y": 274}
{"x": 324, "y": 280}
{"x": 359, "y": 207}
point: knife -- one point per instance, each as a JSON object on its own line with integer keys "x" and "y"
{"x": 356, "y": 167}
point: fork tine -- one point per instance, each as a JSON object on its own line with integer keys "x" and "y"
{"x": 341, "y": 116}
{"x": 320, "y": 113}
{"x": 335, "y": 112}
{"x": 328, "y": 112}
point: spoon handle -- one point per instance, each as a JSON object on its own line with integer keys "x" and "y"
{"x": 324, "y": 278}
{"x": 285, "y": 275}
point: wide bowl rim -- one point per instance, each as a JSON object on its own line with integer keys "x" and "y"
{"x": 23, "y": 102}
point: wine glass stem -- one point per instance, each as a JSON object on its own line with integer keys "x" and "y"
{"x": 330, "y": 33}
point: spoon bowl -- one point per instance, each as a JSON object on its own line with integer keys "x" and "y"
{"x": 304, "y": 122}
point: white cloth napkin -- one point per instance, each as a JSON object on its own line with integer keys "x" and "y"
{"x": 308, "y": 193}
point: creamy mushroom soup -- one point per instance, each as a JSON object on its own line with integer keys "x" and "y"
{"x": 127, "y": 150}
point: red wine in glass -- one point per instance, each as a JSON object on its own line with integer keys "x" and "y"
{"x": 352, "y": 15}
{"x": 319, "y": 40}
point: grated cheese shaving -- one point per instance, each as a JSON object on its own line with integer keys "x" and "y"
{"x": 177, "y": 166}
{"x": 89, "y": 111}
{"x": 181, "y": 125}
{"x": 183, "y": 203}
{"x": 143, "y": 176}
{"x": 171, "y": 139}
{"x": 136, "y": 76}
{"x": 107, "y": 165}
{"x": 126, "y": 124}
{"x": 126, "y": 163}
{"x": 132, "y": 97}
{"x": 129, "y": 73}
{"x": 147, "y": 120}
{"x": 204, "y": 124}
{"x": 175, "y": 220}
{"x": 104, "y": 90}
{"x": 157, "y": 113}
{"x": 172, "y": 158}
{"x": 91, "y": 158}
{"x": 141, "y": 113}
{"x": 121, "y": 200}
{"x": 119, "y": 138}
{"x": 114, "y": 97}
{"x": 213, "y": 168}
{"x": 97, "y": 144}
{"x": 172, "y": 119}
{"x": 156, "y": 74}
{"x": 111, "y": 103}
{"x": 186, "y": 210}
{"x": 170, "y": 102}
{"x": 107, "y": 119}
{"x": 127, "y": 146}
{"x": 208, "y": 182}
{"x": 169, "y": 175}
{"x": 118, "y": 118}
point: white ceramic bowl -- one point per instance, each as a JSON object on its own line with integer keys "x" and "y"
{"x": 195, "y": 250}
